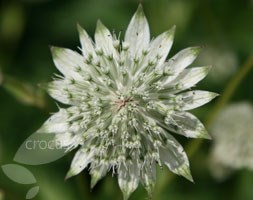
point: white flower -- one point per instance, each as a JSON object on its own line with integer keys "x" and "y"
{"x": 125, "y": 102}
{"x": 233, "y": 136}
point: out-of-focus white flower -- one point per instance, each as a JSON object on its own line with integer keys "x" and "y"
{"x": 233, "y": 135}
{"x": 224, "y": 62}
{"x": 125, "y": 102}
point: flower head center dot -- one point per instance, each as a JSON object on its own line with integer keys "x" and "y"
{"x": 123, "y": 102}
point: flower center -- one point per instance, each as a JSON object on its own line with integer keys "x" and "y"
{"x": 122, "y": 102}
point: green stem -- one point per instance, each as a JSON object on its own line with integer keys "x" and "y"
{"x": 193, "y": 146}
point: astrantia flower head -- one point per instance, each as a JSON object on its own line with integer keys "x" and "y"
{"x": 125, "y": 103}
{"x": 232, "y": 148}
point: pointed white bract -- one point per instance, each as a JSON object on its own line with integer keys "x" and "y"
{"x": 82, "y": 158}
{"x": 160, "y": 46}
{"x": 128, "y": 177}
{"x": 193, "y": 99}
{"x": 125, "y": 102}
{"x": 137, "y": 34}
{"x": 86, "y": 43}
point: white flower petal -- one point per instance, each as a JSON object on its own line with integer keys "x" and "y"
{"x": 175, "y": 158}
{"x": 68, "y": 62}
{"x": 193, "y": 99}
{"x": 179, "y": 62}
{"x": 58, "y": 90}
{"x": 98, "y": 173}
{"x": 68, "y": 140}
{"x": 148, "y": 177}
{"x": 137, "y": 33}
{"x": 67, "y": 93}
{"x": 158, "y": 50}
{"x": 189, "y": 77}
{"x": 128, "y": 178}
{"x": 186, "y": 124}
{"x": 161, "y": 45}
{"x": 86, "y": 42}
{"x": 104, "y": 40}
{"x": 182, "y": 60}
{"x": 57, "y": 123}
{"x": 80, "y": 161}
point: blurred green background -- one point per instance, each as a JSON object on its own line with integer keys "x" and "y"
{"x": 28, "y": 27}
